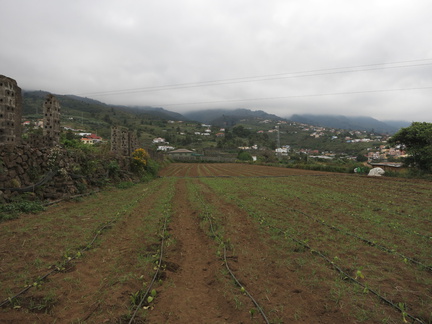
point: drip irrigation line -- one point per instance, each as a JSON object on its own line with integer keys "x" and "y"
{"x": 369, "y": 242}
{"x": 56, "y": 268}
{"x": 47, "y": 177}
{"x": 428, "y": 237}
{"x": 347, "y": 276}
{"x": 245, "y": 290}
{"x": 232, "y": 274}
{"x": 70, "y": 197}
{"x": 156, "y": 273}
{"x": 381, "y": 247}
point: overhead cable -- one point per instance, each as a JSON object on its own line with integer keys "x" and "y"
{"x": 296, "y": 96}
{"x": 268, "y": 77}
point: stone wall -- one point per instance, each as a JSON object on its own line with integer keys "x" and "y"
{"x": 54, "y": 173}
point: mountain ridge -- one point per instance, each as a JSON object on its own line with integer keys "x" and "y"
{"x": 216, "y": 117}
{"x": 228, "y": 117}
{"x": 362, "y": 123}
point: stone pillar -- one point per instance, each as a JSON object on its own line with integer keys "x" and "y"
{"x": 10, "y": 111}
{"x": 51, "y": 120}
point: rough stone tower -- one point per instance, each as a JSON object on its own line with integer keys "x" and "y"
{"x": 120, "y": 140}
{"x": 133, "y": 142}
{"x": 123, "y": 141}
{"x": 51, "y": 120}
{"x": 10, "y": 111}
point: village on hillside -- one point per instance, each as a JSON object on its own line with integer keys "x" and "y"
{"x": 180, "y": 139}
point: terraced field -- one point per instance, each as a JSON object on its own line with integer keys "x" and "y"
{"x": 226, "y": 243}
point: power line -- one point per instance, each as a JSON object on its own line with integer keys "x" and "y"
{"x": 297, "y": 96}
{"x": 268, "y": 77}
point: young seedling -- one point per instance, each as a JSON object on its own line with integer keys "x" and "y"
{"x": 14, "y": 302}
{"x": 359, "y": 274}
{"x": 403, "y": 310}
{"x": 252, "y": 312}
{"x": 136, "y": 297}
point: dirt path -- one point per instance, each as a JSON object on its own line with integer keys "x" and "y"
{"x": 193, "y": 293}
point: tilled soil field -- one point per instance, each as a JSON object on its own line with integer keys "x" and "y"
{"x": 226, "y": 243}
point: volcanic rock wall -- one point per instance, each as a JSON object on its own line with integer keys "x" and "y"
{"x": 53, "y": 173}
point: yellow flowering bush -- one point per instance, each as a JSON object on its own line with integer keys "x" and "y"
{"x": 139, "y": 160}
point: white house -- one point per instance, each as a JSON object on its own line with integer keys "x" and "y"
{"x": 282, "y": 151}
{"x": 165, "y": 148}
{"x": 159, "y": 140}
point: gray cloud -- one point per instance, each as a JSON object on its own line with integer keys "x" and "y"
{"x": 86, "y": 47}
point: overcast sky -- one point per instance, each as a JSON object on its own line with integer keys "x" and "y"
{"x": 356, "y": 57}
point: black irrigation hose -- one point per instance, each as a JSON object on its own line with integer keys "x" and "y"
{"x": 232, "y": 274}
{"x": 381, "y": 247}
{"x": 347, "y": 276}
{"x": 47, "y": 177}
{"x": 70, "y": 197}
{"x": 66, "y": 262}
{"x": 428, "y": 237}
{"x": 369, "y": 242}
{"x": 155, "y": 275}
{"x": 245, "y": 290}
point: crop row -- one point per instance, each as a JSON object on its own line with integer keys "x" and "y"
{"x": 117, "y": 274}
{"x": 215, "y": 230}
{"x": 346, "y": 253}
{"x": 362, "y": 217}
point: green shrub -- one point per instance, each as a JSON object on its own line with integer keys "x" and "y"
{"x": 152, "y": 167}
{"x": 113, "y": 169}
{"x": 244, "y": 156}
{"x": 13, "y": 209}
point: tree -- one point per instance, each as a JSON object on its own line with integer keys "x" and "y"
{"x": 417, "y": 140}
{"x": 361, "y": 158}
{"x": 241, "y": 131}
{"x": 244, "y": 156}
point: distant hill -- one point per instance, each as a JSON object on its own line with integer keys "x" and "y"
{"x": 226, "y": 117}
{"x": 99, "y": 115}
{"x": 71, "y": 104}
{"x": 397, "y": 123}
{"x": 348, "y": 123}
{"x": 156, "y": 112}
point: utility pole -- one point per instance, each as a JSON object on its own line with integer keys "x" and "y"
{"x": 278, "y": 146}
{"x": 278, "y": 137}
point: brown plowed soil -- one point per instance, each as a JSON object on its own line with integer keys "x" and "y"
{"x": 193, "y": 290}
{"x": 291, "y": 284}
